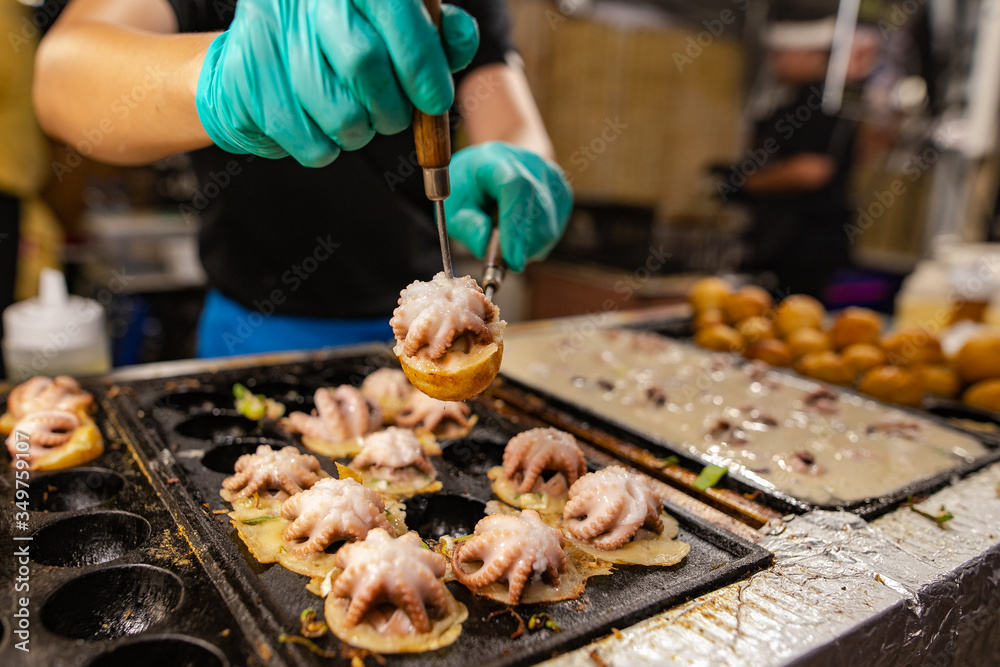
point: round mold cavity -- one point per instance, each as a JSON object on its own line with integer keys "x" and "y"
{"x": 294, "y": 396}
{"x": 113, "y": 602}
{"x": 163, "y": 651}
{"x": 74, "y": 489}
{"x": 217, "y": 427}
{"x": 473, "y": 456}
{"x": 353, "y": 374}
{"x": 195, "y": 401}
{"x": 436, "y": 514}
{"x": 89, "y": 539}
{"x": 222, "y": 458}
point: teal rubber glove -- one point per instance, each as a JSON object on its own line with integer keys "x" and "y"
{"x": 310, "y": 78}
{"x": 531, "y": 197}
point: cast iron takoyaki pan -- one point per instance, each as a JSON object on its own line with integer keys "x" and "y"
{"x": 189, "y": 436}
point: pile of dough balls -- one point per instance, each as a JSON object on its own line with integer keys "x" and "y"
{"x": 847, "y": 349}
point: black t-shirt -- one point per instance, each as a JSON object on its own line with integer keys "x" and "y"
{"x": 781, "y": 220}
{"x": 340, "y": 241}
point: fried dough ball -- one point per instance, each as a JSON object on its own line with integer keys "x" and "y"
{"x": 826, "y": 366}
{"x": 756, "y": 328}
{"x": 720, "y": 338}
{"x": 855, "y": 325}
{"x": 707, "y": 318}
{"x": 979, "y": 358}
{"x": 984, "y": 395}
{"x": 798, "y": 311}
{"x": 771, "y": 351}
{"x": 911, "y": 346}
{"x": 891, "y": 384}
{"x": 937, "y": 379}
{"x": 803, "y": 341}
{"x": 709, "y": 293}
{"x": 862, "y": 356}
{"x": 747, "y": 301}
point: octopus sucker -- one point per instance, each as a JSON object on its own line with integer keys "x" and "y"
{"x": 341, "y": 417}
{"x": 521, "y": 481}
{"x": 395, "y": 461}
{"x": 521, "y": 550}
{"x": 273, "y": 473}
{"x": 331, "y": 511}
{"x": 389, "y": 596}
{"x": 449, "y": 337}
{"x": 608, "y": 507}
{"x": 447, "y": 419}
{"x": 390, "y": 389}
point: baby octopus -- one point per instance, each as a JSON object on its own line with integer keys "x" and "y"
{"x": 394, "y": 455}
{"x": 431, "y": 315}
{"x": 277, "y": 474}
{"x": 42, "y": 393}
{"x": 608, "y": 507}
{"x": 530, "y": 453}
{"x": 332, "y": 510}
{"x": 341, "y": 414}
{"x": 389, "y": 388}
{"x": 399, "y": 571}
{"x": 42, "y": 430}
{"x": 422, "y": 411}
{"x": 514, "y": 548}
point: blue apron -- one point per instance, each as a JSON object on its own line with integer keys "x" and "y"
{"x": 226, "y": 329}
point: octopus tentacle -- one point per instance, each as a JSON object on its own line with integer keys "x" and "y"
{"x": 610, "y": 506}
{"x": 511, "y": 547}
{"x": 395, "y": 570}
{"x": 332, "y": 510}
{"x": 595, "y": 520}
{"x": 532, "y": 452}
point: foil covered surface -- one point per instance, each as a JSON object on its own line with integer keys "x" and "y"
{"x": 901, "y": 590}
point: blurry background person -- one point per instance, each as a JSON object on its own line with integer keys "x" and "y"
{"x": 797, "y": 190}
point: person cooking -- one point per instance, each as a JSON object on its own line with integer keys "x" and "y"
{"x": 312, "y": 205}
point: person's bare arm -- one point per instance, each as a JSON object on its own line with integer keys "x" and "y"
{"x": 800, "y": 173}
{"x": 496, "y": 104}
{"x": 114, "y": 81}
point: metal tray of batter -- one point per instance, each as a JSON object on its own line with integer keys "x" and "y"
{"x": 187, "y": 437}
{"x": 565, "y": 414}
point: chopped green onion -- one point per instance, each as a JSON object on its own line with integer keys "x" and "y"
{"x": 670, "y": 460}
{"x": 543, "y": 620}
{"x": 941, "y": 517}
{"x": 710, "y": 476}
{"x": 259, "y": 519}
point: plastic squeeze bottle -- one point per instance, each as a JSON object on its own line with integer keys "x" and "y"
{"x": 55, "y": 333}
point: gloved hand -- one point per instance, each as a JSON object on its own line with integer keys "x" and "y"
{"x": 533, "y": 201}
{"x": 309, "y": 78}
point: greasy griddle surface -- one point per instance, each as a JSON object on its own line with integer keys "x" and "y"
{"x": 679, "y": 328}
{"x": 157, "y": 413}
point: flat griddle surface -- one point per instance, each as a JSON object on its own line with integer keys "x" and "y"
{"x": 561, "y": 412}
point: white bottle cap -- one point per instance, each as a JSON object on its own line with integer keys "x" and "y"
{"x": 55, "y": 320}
